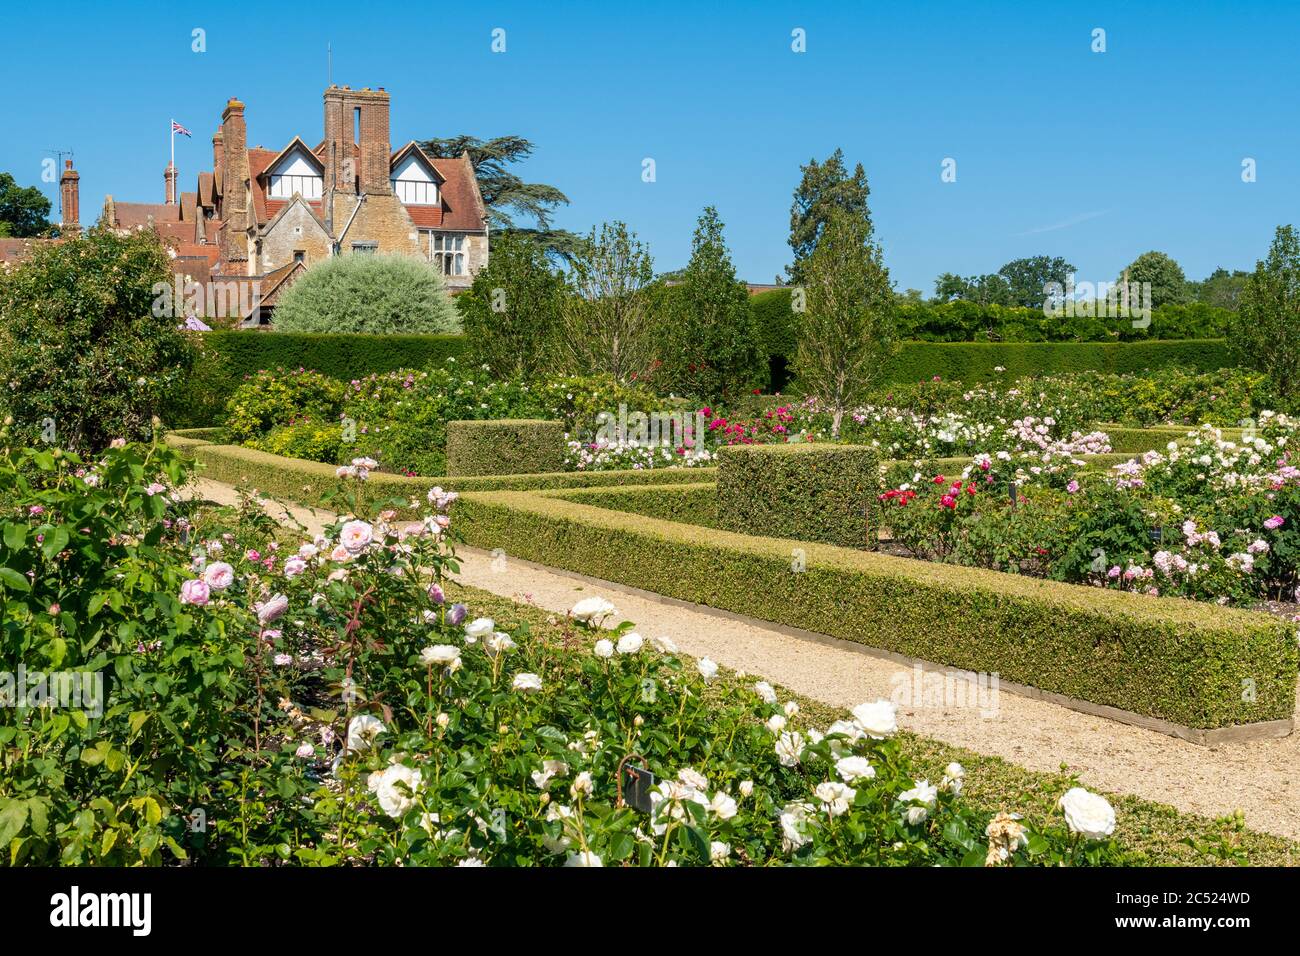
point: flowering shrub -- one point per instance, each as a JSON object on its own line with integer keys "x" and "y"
{"x": 1206, "y": 519}
{"x": 269, "y": 701}
{"x": 399, "y": 418}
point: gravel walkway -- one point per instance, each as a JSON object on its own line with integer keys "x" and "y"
{"x": 1260, "y": 777}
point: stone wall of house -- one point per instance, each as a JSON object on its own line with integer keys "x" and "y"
{"x": 296, "y": 229}
{"x": 381, "y": 219}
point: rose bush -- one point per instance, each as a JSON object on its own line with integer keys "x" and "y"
{"x": 268, "y": 700}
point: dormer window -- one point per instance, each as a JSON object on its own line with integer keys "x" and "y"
{"x": 295, "y": 173}
{"x": 414, "y": 183}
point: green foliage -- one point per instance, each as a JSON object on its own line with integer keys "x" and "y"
{"x": 1176, "y": 660}
{"x": 710, "y": 338}
{"x": 1266, "y": 331}
{"x": 228, "y": 358}
{"x": 971, "y": 362}
{"x": 1026, "y": 278}
{"x": 966, "y": 321}
{"x": 79, "y": 344}
{"x": 1168, "y": 283}
{"x": 825, "y": 189}
{"x": 271, "y": 399}
{"x": 849, "y": 328}
{"x": 814, "y": 492}
{"x": 1221, "y": 289}
{"x": 512, "y": 312}
{"x": 376, "y": 294}
{"x": 24, "y": 210}
{"x": 504, "y": 447}
{"x": 609, "y": 326}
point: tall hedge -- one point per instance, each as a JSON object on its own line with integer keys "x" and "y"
{"x": 228, "y": 356}
{"x": 976, "y": 361}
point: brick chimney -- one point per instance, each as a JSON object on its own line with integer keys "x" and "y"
{"x": 375, "y": 149}
{"x": 357, "y": 117}
{"x": 217, "y": 155}
{"x": 70, "y": 191}
{"x": 234, "y": 181}
{"x": 169, "y": 178}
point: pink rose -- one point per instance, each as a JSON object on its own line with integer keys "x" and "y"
{"x": 294, "y": 567}
{"x": 195, "y": 591}
{"x": 272, "y": 608}
{"x": 219, "y": 576}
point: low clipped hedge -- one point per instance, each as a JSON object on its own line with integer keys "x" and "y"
{"x": 1168, "y": 659}
{"x": 695, "y": 503}
{"x": 311, "y": 482}
{"x": 814, "y": 492}
{"x": 1156, "y": 438}
{"x": 504, "y": 446}
{"x": 230, "y": 355}
{"x": 972, "y": 362}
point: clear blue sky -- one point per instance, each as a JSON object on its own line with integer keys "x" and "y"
{"x": 1093, "y": 156}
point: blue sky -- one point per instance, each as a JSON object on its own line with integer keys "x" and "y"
{"x": 1093, "y": 156}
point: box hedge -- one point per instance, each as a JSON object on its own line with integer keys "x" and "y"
{"x": 504, "y": 446}
{"x": 1168, "y": 659}
{"x": 694, "y": 503}
{"x": 815, "y": 492}
{"x": 310, "y": 482}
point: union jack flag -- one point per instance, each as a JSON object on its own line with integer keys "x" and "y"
{"x": 178, "y": 128}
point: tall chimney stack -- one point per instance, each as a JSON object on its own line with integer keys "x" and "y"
{"x": 357, "y": 149}
{"x": 169, "y": 177}
{"x": 218, "y": 151}
{"x": 234, "y": 181}
{"x": 70, "y": 193}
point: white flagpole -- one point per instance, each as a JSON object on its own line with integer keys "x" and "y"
{"x": 170, "y": 169}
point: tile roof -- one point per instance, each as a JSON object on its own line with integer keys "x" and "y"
{"x": 132, "y": 214}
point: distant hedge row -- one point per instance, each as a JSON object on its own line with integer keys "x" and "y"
{"x": 231, "y": 355}
{"x": 975, "y": 361}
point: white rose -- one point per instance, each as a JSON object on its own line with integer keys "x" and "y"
{"x": 480, "y": 627}
{"x": 1088, "y": 814}
{"x": 592, "y": 610}
{"x": 789, "y": 748}
{"x": 526, "y": 683}
{"x": 746, "y": 788}
{"x": 395, "y": 787}
{"x": 723, "y": 806}
{"x": 876, "y": 719}
{"x": 708, "y": 670}
{"x": 664, "y": 645}
{"x": 916, "y": 815}
{"x": 585, "y": 858}
{"x": 604, "y": 649}
{"x": 630, "y": 643}
{"x": 440, "y": 654}
{"x": 765, "y": 690}
{"x": 719, "y": 851}
{"x": 835, "y": 797}
{"x": 854, "y": 768}
{"x": 582, "y": 785}
{"x": 791, "y": 708}
{"x": 776, "y": 723}
{"x": 362, "y": 731}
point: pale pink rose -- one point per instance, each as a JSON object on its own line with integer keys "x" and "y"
{"x": 219, "y": 576}
{"x": 294, "y": 566}
{"x": 340, "y": 553}
{"x": 195, "y": 591}
{"x": 356, "y": 535}
{"x": 272, "y": 608}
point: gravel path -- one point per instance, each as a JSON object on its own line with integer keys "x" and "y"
{"x": 1260, "y": 777}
